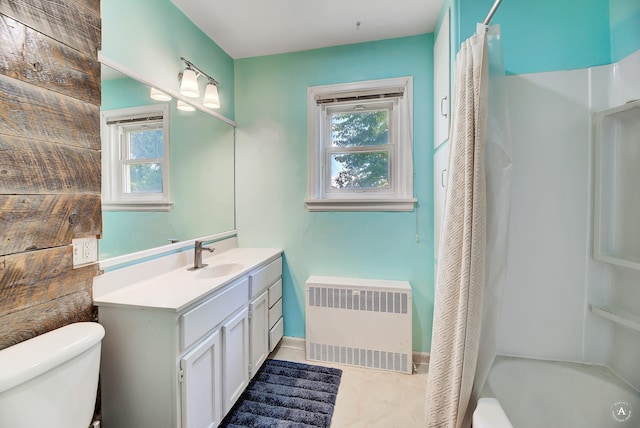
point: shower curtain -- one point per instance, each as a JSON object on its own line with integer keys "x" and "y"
{"x": 473, "y": 240}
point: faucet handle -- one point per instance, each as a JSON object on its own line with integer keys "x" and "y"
{"x": 200, "y": 247}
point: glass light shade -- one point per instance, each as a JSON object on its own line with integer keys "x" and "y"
{"x": 211, "y": 98}
{"x": 189, "y": 84}
{"x": 184, "y": 106}
{"x": 159, "y": 95}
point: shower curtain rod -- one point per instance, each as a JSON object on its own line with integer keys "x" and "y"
{"x": 493, "y": 10}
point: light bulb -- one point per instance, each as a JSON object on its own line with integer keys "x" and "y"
{"x": 211, "y": 98}
{"x": 158, "y": 95}
{"x": 184, "y": 106}
{"x": 189, "y": 84}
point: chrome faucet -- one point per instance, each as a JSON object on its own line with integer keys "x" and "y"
{"x": 197, "y": 257}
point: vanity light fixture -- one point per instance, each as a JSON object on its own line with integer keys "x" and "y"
{"x": 158, "y": 95}
{"x": 189, "y": 85}
{"x": 185, "y": 106}
{"x": 211, "y": 98}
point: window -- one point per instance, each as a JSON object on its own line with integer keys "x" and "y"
{"x": 360, "y": 148}
{"x": 135, "y": 159}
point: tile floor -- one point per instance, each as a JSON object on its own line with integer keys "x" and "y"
{"x": 372, "y": 398}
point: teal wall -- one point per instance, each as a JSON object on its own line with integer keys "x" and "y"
{"x": 271, "y": 176}
{"x": 150, "y": 36}
{"x": 267, "y": 96}
{"x": 624, "y": 18}
{"x": 202, "y": 150}
{"x": 545, "y": 35}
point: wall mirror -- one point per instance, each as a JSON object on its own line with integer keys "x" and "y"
{"x": 201, "y": 176}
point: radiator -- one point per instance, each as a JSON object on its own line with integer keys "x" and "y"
{"x": 359, "y": 322}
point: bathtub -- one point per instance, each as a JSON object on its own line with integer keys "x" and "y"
{"x": 527, "y": 393}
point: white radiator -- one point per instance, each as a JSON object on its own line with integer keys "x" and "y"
{"x": 359, "y": 322}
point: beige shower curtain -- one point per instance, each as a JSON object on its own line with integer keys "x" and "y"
{"x": 461, "y": 267}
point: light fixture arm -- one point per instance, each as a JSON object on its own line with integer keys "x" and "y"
{"x": 199, "y": 71}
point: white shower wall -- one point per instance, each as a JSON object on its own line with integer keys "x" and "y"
{"x": 551, "y": 275}
{"x": 614, "y": 85}
{"x": 543, "y": 307}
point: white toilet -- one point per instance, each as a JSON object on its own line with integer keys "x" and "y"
{"x": 51, "y": 380}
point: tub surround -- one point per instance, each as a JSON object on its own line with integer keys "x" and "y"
{"x": 490, "y": 414}
{"x": 613, "y": 292}
{"x": 551, "y": 236}
{"x": 539, "y": 393}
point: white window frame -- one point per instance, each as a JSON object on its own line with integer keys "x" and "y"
{"x": 399, "y": 195}
{"x": 113, "y": 196}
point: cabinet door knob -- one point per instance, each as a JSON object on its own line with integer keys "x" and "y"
{"x": 442, "y": 110}
{"x": 442, "y": 179}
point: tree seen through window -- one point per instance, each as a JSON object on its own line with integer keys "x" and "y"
{"x": 144, "y": 171}
{"x": 366, "y": 137}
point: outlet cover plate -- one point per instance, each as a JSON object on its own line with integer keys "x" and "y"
{"x": 85, "y": 251}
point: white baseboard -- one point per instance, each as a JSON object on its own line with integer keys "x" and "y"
{"x": 293, "y": 343}
{"x": 421, "y": 358}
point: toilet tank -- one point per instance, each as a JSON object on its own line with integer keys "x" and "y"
{"x": 51, "y": 380}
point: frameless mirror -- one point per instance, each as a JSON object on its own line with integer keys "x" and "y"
{"x": 201, "y": 176}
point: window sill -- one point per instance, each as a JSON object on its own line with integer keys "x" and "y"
{"x": 361, "y": 204}
{"x": 137, "y": 206}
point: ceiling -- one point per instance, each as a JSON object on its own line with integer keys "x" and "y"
{"x": 247, "y": 28}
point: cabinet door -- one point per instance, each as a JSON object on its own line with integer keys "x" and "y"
{"x": 235, "y": 358}
{"x": 440, "y": 165}
{"x": 441, "y": 77}
{"x": 202, "y": 384}
{"x": 259, "y": 331}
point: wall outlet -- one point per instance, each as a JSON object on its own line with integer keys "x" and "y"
{"x": 85, "y": 251}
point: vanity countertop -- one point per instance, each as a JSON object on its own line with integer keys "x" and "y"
{"x": 179, "y": 288}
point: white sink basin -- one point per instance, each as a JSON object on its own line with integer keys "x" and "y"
{"x": 219, "y": 269}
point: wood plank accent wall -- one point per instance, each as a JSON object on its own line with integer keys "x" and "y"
{"x": 50, "y": 176}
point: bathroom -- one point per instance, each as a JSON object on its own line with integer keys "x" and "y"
{"x": 552, "y": 277}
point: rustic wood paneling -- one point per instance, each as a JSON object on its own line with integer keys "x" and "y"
{"x": 49, "y": 162}
{"x": 30, "y": 167}
{"x": 32, "y": 57}
{"x": 39, "y": 319}
{"x": 35, "y": 113}
{"x": 76, "y": 23}
{"x": 31, "y": 222}
{"x": 30, "y": 279}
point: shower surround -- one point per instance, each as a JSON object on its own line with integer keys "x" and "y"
{"x": 552, "y": 278}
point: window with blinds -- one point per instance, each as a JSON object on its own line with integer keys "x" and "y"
{"x": 360, "y": 146}
{"x": 135, "y": 159}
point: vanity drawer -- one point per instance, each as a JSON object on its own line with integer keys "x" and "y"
{"x": 275, "y": 334}
{"x": 275, "y": 292}
{"x": 197, "y": 322}
{"x": 265, "y": 276}
{"x": 275, "y": 313}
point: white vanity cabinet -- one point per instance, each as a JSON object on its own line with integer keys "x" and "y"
{"x": 184, "y": 367}
{"x": 276, "y": 321}
{"x": 235, "y": 358}
{"x": 201, "y": 381}
{"x": 258, "y": 319}
{"x": 262, "y": 282}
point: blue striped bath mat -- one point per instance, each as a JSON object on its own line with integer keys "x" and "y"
{"x": 285, "y": 394}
